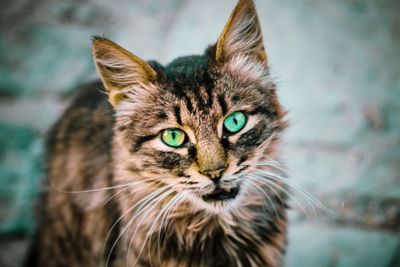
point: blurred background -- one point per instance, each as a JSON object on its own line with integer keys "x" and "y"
{"x": 337, "y": 65}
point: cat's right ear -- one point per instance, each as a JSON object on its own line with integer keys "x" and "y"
{"x": 119, "y": 69}
{"x": 241, "y": 35}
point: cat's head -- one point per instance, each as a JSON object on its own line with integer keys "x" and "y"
{"x": 201, "y": 124}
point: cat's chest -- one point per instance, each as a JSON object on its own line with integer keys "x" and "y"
{"x": 212, "y": 246}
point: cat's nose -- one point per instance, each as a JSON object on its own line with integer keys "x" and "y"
{"x": 215, "y": 173}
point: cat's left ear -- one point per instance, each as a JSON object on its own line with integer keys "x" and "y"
{"x": 242, "y": 35}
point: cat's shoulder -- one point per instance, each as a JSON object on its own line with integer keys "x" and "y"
{"x": 87, "y": 119}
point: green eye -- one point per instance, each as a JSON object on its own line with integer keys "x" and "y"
{"x": 173, "y": 137}
{"x": 235, "y": 122}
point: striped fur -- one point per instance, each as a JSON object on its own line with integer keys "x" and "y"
{"x": 119, "y": 196}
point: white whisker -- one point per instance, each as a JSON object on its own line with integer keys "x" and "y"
{"x": 149, "y": 209}
{"x": 101, "y": 189}
{"x": 298, "y": 188}
{"x": 281, "y": 188}
{"x": 266, "y": 194}
{"x": 150, "y": 231}
{"x": 166, "y": 214}
{"x": 148, "y": 199}
{"x": 282, "y": 167}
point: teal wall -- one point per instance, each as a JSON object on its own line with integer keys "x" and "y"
{"x": 338, "y": 71}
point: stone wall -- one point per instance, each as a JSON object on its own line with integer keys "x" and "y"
{"x": 338, "y": 71}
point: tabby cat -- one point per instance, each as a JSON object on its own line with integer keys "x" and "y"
{"x": 177, "y": 167}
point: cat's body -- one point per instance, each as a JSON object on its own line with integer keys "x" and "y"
{"x": 203, "y": 202}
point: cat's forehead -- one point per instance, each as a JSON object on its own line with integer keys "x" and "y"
{"x": 187, "y": 67}
{"x": 197, "y": 80}
{"x": 196, "y": 93}
{"x": 188, "y": 75}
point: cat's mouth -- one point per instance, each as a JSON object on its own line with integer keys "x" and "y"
{"x": 221, "y": 194}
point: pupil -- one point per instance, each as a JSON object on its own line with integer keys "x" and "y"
{"x": 235, "y": 121}
{"x": 173, "y": 134}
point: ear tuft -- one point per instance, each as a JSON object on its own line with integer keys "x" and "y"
{"x": 98, "y": 37}
{"x": 241, "y": 35}
{"x": 119, "y": 69}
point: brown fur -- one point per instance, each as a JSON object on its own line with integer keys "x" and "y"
{"x": 119, "y": 196}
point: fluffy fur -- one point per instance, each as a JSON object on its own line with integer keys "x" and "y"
{"x": 119, "y": 196}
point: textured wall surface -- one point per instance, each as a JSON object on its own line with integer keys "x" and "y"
{"x": 338, "y": 71}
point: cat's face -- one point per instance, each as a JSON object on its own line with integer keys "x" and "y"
{"x": 204, "y": 136}
{"x": 201, "y": 124}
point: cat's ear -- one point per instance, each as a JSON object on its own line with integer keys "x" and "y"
{"x": 242, "y": 35}
{"x": 119, "y": 69}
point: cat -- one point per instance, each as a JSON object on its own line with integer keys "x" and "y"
{"x": 170, "y": 165}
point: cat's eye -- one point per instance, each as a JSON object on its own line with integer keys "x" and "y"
{"x": 173, "y": 137}
{"x": 235, "y": 122}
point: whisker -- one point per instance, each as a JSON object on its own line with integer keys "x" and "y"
{"x": 148, "y": 199}
{"x": 172, "y": 208}
{"x": 182, "y": 198}
{"x": 299, "y": 189}
{"x": 264, "y": 203}
{"x": 281, "y": 188}
{"x": 309, "y": 202}
{"x": 150, "y": 231}
{"x": 101, "y": 189}
{"x": 149, "y": 209}
{"x": 277, "y": 194}
{"x": 114, "y": 195}
{"x": 285, "y": 169}
{"x": 124, "y": 189}
{"x": 280, "y": 166}
{"x": 266, "y": 194}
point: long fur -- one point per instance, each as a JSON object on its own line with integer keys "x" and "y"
{"x": 119, "y": 196}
